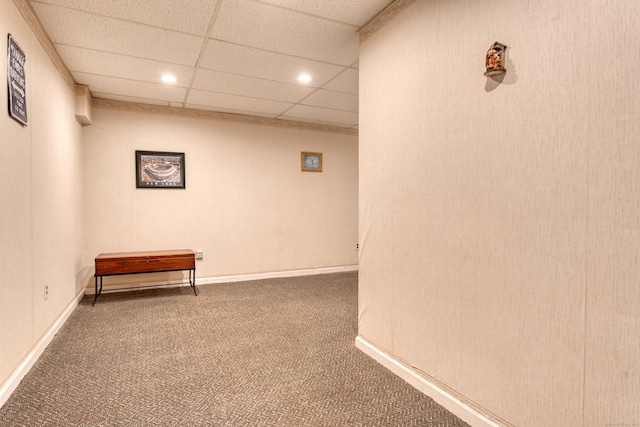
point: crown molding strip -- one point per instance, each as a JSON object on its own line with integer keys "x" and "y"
{"x": 32, "y": 20}
{"x": 383, "y": 18}
{"x": 213, "y": 115}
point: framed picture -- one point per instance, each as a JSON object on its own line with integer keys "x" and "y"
{"x": 311, "y": 162}
{"x": 159, "y": 169}
{"x": 16, "y": 80}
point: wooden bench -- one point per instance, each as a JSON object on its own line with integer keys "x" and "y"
{"x": 115, "y": 264}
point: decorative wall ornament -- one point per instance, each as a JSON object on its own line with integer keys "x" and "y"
{"x": 494, "y": 61}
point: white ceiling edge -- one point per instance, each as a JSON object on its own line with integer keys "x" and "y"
{"x": 383, "y": 18}
{"x": 215, "y": 115}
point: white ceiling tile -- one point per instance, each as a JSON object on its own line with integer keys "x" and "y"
{"x": 348, "y": 81}
{"x": 247, "y": 61}
{"x": 352, "y": 12}
{"x": 238, "y": 103}
{"x": 234, "y": 84}
{"x": 131, "y": 88}
{"x": 71, "y": 27}
{"x": 110, "y": 64}
{"x": 251, "y": 60}
{"x": 333, "y": 100}
{"x": 279, "y": 30}
{"x": 188, "y": 16}
{"x": 322, "y": 114}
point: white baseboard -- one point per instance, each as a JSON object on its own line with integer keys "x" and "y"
{"x": 441, "y": 396}
{"x": 127, "y": 287}
{"x": 30, "y": 359}
{"x": 90, "y": 290}
{"x": 275, "y": 274}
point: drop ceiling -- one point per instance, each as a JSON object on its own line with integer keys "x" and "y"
{"x": 231, "y": 56}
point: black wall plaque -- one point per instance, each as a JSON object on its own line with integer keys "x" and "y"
{"x": 17, "y": 81}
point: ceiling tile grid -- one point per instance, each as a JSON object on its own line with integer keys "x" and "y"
{"x": 347, "y": 81}
{"x": 320, "y": 115}
{"x": 334, "y": 100}
{"x": 249, "y": 61}
{"x": 215, "y": 81}
{"x": 88, "y": 61}
{"x": 355, "y": 13}
{"x": 187, "y": 16}
{"x": 81, "y": 29}
{"x": 237, "y": 56}
{"x": 223, "y": 101}
{"x": 285, "y": 31}
{"x": 131, "y": 88}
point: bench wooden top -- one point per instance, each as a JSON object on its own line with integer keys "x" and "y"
{"x": 147, "y": 254}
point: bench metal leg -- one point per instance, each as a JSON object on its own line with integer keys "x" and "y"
{"x": 97, "y": 291}
{"x": 193, "y": 282}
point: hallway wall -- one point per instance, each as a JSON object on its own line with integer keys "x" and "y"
{"x": 500, "y": 220}
{"x": 41, "y": 204}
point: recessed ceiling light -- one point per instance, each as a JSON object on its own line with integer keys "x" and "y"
{"x": 168, "y": 78}
{"x": 304, "y": 78}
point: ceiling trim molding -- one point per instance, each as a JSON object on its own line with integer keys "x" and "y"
{"x": 383, "y": 18}
{"x": 214, "y": 115}
{"x": 34, "y": 23}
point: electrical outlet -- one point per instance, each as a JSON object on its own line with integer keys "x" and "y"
{"x": 357, "y": 245}
{"x": 199, "y": 255}
{"x": 46, "y": 291}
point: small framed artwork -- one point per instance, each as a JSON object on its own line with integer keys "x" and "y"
{"x": 159, "y": 169}
{"x": 311, "y": 162}
{"x": 16, "y": 80}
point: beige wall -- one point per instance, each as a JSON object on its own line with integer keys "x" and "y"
{"x": 500, "y": 223}
{"x": 41, "y": 224}
{"x": 247, "y": 204}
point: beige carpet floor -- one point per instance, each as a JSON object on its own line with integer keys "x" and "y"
{"x": 276, "y": 352}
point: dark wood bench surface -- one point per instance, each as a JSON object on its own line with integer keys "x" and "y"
{"x": 144, "y": 262}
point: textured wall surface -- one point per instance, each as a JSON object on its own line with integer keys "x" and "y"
{"x": 247, "y": 204}
{"x": 41, "y": 224}
{"x": 500, "y": 219}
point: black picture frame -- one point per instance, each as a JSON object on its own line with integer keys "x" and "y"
{"x": 16, "y": 81}
{"x": 160, "y": 169}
